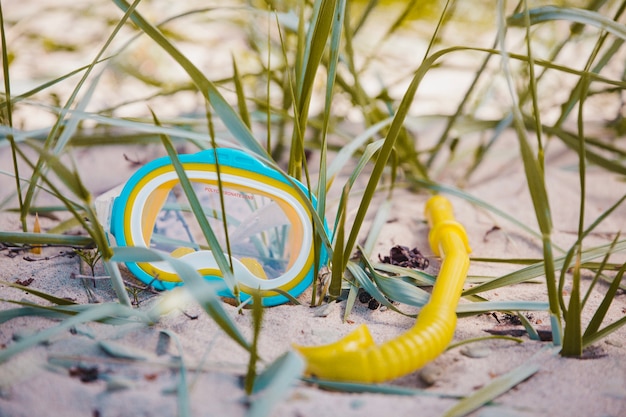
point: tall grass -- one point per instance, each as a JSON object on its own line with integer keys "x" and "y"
{"x": 301, "y": 84}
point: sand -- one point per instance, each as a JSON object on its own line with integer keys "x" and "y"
{"x": 46, "y": 379}
{"x": 71, "y": 374}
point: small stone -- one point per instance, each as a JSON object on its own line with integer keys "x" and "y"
{"x": 614, "y": 342}
{"x": 431, "y": 373}
{"x": 324, "y": 310}
{"x": 475, "y": 351}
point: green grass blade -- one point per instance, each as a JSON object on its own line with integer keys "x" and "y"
{"x": 316, "y": 41}
{"x": 70, "y": 178}
{"x": 385, "y": 152}
{"x": 530, "y": 329}
{"x": 601, "y": 334}
{"x": 487, "y": 306}
{"x": 92, "y": 226}
{"x": 274, "y": 383}
{"x": 54, "y": 312}
{"x": 395, "y": 288}
{"x": 117, "y": 282}
{"x": 352, "y": 294}
{"x": 572, "y": 14}
{"x": 48, "y": 297}
{"x": 533, "y": 169}
{"x": 257, "y": 320}
{"x": 54, "y": 133}
{"x": 224, "y": 110}
{"x": 575, "y": 94}
{"x": 96, "y": 312}
{"x": 48, "y": 84}
{"x": 572, "y": 339}
{"x": 414, "y": 275}
{"x": 241, "y": 97}
{"x": 330, "y": 83}
{"x": 196, "y": 207}
{"x": 385, "y": 389}
{"x": 380, "y": 220}
{"x": 202, "y": 291}
{"x": 597, "y": 158}
{"x": 346, "y": 153}
{"x": 9, "y": 115}
{"x": 365, "y": 282}
{"x": 38, "y": 311}
{"x": 600, "y": 270}
{"x": 602, "y": 310}
{"x": 182, "y": 391}
{"x": 338, "y": 254}
{"x": 537, "y": 270}
{"x": 498, "y": 386}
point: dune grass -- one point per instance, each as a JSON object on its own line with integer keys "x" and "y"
{"x": 302, "y": 65}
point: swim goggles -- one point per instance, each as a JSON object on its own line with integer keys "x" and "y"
{"x": 266, "y": 220}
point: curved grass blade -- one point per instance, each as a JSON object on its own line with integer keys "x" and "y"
{"x": 499, "y": 385}
{"x": 366, "y": 283}
{"x": 45, "y": 296}
{"x": 8, "y": 113}
{"x": 346, "y": 152}
{"x": 53, "y": 312}
{"x": 601, "y": 334}
{"x": 201, "y": 290}
{"x": 396, "y": 288}
{"x": 273, "y": 384}
{"x": 196, "y": 207}
{"x": 241, "y": 98}
{"x": 182, "y": 391}
{"x": 330, "y": 83}
{"x": 419, "y": 277}
{"x": 224, "y": 110}
{"x": 597, "y": 158}
{"x": 368, "y": 154}
{"x": 482, "y": 339}
{"x": 323, "y": 22}
{"x": 352, "y": 294}
{"x": 478, "y": 202}
{"x": 572, "y": 14}
{"x": 537, "y": 270}
{"x": 488, "y": 306}
{"x": 533, "y": 169}
{"x": 94, "y": 313}
{"x": 530, "y": 329}
{"x": 382, "y": 215}
{"x": 376, "y": 388}
{"x": 599, "y": 271}
{"x": 52, "y": 142}
{"x": 602, "y": 310}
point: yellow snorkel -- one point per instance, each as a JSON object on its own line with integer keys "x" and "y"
{"x": 356, "y": 358}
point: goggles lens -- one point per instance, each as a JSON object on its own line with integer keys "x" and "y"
{"x": 258, "y": 231}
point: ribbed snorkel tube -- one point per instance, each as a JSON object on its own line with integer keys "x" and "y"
{"x": 356, "y": 358}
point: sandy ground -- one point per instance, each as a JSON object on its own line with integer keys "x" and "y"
{"x": 46, "y": 379}
{"x": 72, "y": 375}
